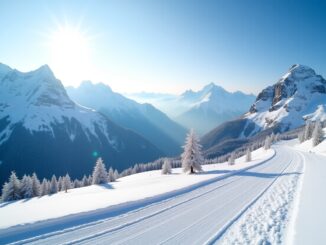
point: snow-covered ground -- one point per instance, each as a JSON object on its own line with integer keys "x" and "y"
{"x": 131, "y": 188}
{"x": 267, "y": 221}
{"x": 307, "y": 146}
{"x": 268, "y": 201}
{"x": 310, "y": 217}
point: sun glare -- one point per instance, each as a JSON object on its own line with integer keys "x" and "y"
{"x": 70, "y": 54}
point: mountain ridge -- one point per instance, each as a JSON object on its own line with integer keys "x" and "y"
{"x": 299, "y": 95}
{"x": 43, "y": 130}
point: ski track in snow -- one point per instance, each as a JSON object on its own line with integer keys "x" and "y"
{"x": 266, "y": 221}
{"x": 250, "y": 207}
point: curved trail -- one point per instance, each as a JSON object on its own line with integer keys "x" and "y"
{"x": 200, "y": 216}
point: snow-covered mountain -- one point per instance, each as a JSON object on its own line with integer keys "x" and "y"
{"x": 43, "y": 130}
{"x": 144, "y": 119}
{"x": 299, "y": 95}
{"x": 202, "y": 110}
{"x": 212, "y": 106}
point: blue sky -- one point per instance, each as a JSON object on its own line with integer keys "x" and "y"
{"x": 171, "y": 45}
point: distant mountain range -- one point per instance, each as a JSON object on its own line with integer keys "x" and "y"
{"x": 298, "y": 96}
{"x": 202, "y": 110}
{"x": 143, "y": 119}
{"x": 43, "y": 130}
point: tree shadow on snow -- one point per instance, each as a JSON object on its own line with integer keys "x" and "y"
{"x": 216, "y": 172}
{"x": 266, "y": 175}
{"x": 249, "y": 173}
{"x": 106, "y": 186}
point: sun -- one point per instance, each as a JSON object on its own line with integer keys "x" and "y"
{"x": 70, "y": 54}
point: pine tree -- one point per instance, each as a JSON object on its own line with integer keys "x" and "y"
{"x": 116, "y": 174}
{"x": 111, "y": 175}
{"x": 192, "y": 158}
{"x": 5, "y": 193}
{"x": 11, "y": 190}
{"x": 90, "y": 179}
{"x": 76, "y": 183}
{"x": 44, "y": 188}
{"x": 248, "y": 155}
{"x": 231, "y": 160}
{"x": 301, "y": 137}
{"x": 66, "y": 183}
{"x": 26, "y": 187}
{"x": 36, "y": 185}
{"x": 166, "y": 167}
{"x": 84, "y": 181}
{"x": 60, "y": 183}
{"x": 318, "y": 134}
{"x": 100, "y": 175}
{"x": 308, "y": 130}
{"x": 53, "y": 185}
{"x": 268, "y": 143}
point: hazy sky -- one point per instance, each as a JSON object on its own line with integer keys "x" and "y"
{"x": 164, "y": 46}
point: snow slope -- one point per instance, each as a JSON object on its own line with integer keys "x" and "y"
{"x": 200, "y": 215}
{"x": 310, "y": 220}
{"x": 269, "y": 220}
{"x": 144, "y": 119}
{"x": 127, "y": 189}
{"x": 42, "y": 130}
{"x": 308, "y": 146}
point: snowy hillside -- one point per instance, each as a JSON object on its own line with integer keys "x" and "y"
{"x": 144, "y": 119}
{"x": 136, "y": 187}
{"x": 43, "y": 130}
{"x": 38, "y": 101}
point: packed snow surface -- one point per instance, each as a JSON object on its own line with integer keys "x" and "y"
{"x": 310, "y": 219}
{"x": 268, "y": 202}
{"x": 127, "y": 189}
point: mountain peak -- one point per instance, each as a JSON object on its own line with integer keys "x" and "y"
{"x": 212, "y": 87}
{"x": 299, "y": 71}
{"x": 44, "y": 70}
{"x": 4, "y": 68}
{"x": 87, "y": 84}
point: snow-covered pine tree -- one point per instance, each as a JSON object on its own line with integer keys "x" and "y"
{"x": 44, "y": 188}
{"x": 4, "y": 191}
{"x": 53, "y": 185}
{"x": 75, "y": 183}
{"x": 84, "y": 181}
{"x": 100, "y": 175}
{"x": 301, "y": 137}
{"x": 192, "y": 158}
{"x": 318, "y": 134}
{"x": 36, "y": 185}
{"x": 11, "y": 190}
{"x": 116, "y": 174}
{"x": 66, "y": 183}
{"x": 268, "y": 142}
{"x": 166, "y": 167}
{"x": 248, "y": 155}
{"x": 308, "y": 130}
{"x": 111, "y": 175}
{"x": 60, "y": 183}
{"x": 26, "y": 187}
{"x": 90, "y": 179}
{"x": 231, "y": 160}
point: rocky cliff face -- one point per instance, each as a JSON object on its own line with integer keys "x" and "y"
{"x": 298, "y": 96}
